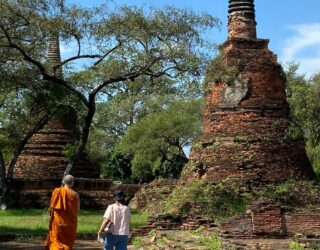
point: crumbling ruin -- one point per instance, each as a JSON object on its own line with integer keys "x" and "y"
{"x": 246, "y": 116}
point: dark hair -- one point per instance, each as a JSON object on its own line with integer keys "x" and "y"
{"x": 122, "y": 202}
{"x": 119, "y": 195}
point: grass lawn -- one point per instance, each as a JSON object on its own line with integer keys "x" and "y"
{"x": 36, "y": 221}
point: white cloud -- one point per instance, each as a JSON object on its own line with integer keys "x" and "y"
{"x": 310, "y": 66}
{"x": 305, "y": 37}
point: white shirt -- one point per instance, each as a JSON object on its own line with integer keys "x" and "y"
{"x": 120, "y": 216}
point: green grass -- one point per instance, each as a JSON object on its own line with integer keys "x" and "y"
{"x": 34, "y": 221}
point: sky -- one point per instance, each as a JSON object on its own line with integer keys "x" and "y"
{"x": 293, "y": 26}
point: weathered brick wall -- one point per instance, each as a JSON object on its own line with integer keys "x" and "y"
{"x": 258, "y": 64}
{"x": 301, "y": 222}
{"x": 271, "y": 220}
{"x": 266, "y": 219}
{"x": 241, "y": 27}
{"x": 241, "y": 19}
{"x": 94, "y": 193}
{"x": 43, "y": 155}
{"x": 239, "y": 226}
{"x": 251, "y": 160}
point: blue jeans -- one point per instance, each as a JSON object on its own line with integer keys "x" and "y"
{"x": 118, "y": 241}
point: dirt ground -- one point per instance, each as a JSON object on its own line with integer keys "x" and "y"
{"x": 164, "y": 240}
{"x": 79, "y": 245}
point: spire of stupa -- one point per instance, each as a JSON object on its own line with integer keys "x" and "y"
{"x": 241, "y": 19}
{"x": 54, "y": 57}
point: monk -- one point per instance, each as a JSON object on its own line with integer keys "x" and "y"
{"x": 64, "y": 208}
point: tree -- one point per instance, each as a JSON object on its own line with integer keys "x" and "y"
{"x": 123, "y": 44}
{"x": 304, "y": 100}
{"x": 156, "y": 142}
{"x": 126, "y": 105}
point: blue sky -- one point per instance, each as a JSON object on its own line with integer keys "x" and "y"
{"x": 293, "y": 26}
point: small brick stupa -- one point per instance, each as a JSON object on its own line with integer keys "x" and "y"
{"x": 246, "y": 118}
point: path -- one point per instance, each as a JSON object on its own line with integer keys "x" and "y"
{"x": 167, "y": 240}
{"x": 270, "y": 244}
{"x": 79, "y": 245}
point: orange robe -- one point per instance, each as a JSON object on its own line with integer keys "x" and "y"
{"x": 63, "y": 220}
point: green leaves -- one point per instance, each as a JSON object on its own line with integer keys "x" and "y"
{"x": 156, "y": 142}
{"x": 304, "y": 100}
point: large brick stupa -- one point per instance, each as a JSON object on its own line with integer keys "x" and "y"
{"x": 244, "y": 138}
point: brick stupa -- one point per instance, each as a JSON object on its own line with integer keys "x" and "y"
{"x": 43, "y": 156}
{"x": 244, "y": 138}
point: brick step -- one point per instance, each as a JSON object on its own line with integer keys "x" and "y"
{"x": 43, "y": 152}
{"x": 55, "y": 131}
{"x": 51, "y": 135}
{"x": 49, "y": 142}
{"x": 87, "y": 168}
{"x": 83, "y": 163}
{"x": 39, "y": 159}
{"x": 44, "y": 146}
{"x": 86, "y": 174}
{"x": 78, "y": 168}
{"x": 57, "y": 168}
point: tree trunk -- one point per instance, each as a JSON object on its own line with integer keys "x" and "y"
{"x": 72, "y": 164}
{"x": 2, "y": 181}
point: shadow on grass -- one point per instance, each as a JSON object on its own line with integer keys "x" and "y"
{"x": 22, "y": 230}
{"x": 23, "y": 212}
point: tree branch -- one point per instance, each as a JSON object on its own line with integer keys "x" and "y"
{"x": 22, "y": 52}
{"x": 108, "y": 53}
{"x": 3, "y": 100}
{"x": 67, "y": 86}
{"x": 42, "y": 69}
{"x": 75, "y": 58}
{"x": 79, "y": 44}
{"x": 129, "y": 76}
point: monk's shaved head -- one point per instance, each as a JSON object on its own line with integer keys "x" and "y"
{"x": 68, "y": 180}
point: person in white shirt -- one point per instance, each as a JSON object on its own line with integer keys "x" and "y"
{"x": 119, "y": 215}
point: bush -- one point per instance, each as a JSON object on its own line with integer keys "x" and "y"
{"x": 217, "y": 201}
{"x": 296, "y": 246}
{"x": 211, "y": 242}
